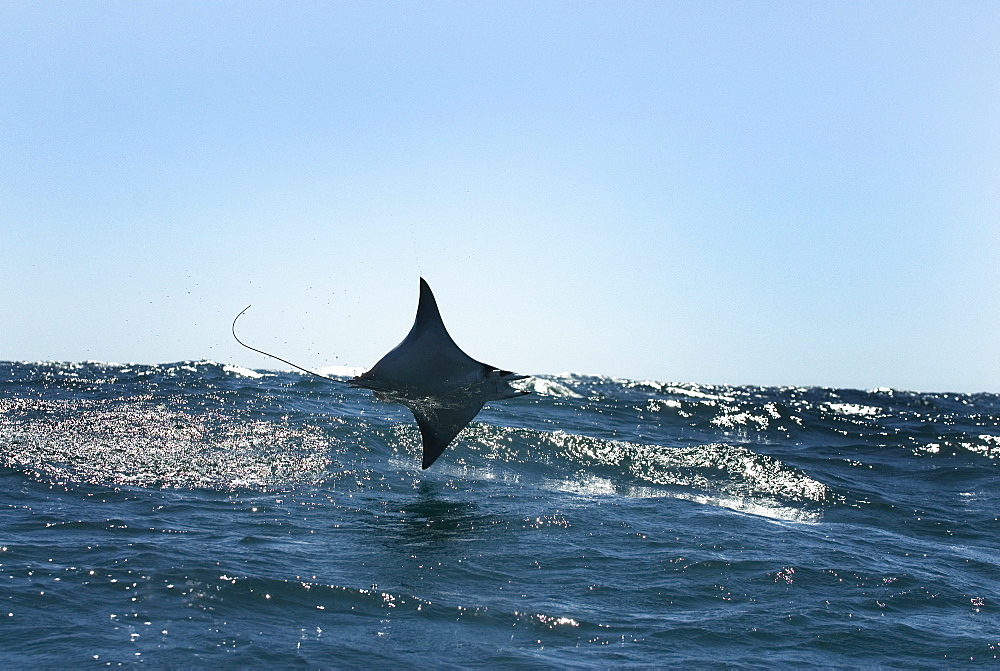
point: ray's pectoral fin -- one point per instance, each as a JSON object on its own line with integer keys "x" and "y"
{"x": 439, "y": 426}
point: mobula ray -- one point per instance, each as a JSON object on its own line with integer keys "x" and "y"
{"x": 442, "y": 386}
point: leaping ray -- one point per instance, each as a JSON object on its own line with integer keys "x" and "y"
{"x": 442, "y": 386}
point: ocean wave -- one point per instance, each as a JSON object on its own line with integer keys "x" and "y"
{"x": 731, "y": 476}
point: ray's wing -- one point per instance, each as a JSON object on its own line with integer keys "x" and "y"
{"x": 428, "y": 361}
{"x": 440, "y": 425}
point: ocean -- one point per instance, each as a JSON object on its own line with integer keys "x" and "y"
{"x": 201, "y": 514}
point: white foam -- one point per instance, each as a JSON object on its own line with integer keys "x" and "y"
{"x": 853, "y": 409}
{"x": 549, "y": 388}
{"x": 340, "y": 371}
{"x": 592, "y": 486}
{"x": 233, "y": 369}
{"x": 698, "y": 394}
{"x": 732, "y": 420}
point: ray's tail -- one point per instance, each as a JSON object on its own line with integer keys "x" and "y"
{"x": 274, "y": 356}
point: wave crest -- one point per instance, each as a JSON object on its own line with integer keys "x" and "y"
{"x": 730, "y": 476}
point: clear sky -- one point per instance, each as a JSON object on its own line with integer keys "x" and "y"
{"x": 779, "y": 193}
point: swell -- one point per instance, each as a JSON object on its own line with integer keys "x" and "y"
{"x": 169, "y": 616}
{"x": 791, "y": 453}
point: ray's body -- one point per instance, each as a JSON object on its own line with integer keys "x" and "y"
{"x": 427, "y": 372}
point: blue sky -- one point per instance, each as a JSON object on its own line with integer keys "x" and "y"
{"x": 775, "y": 193}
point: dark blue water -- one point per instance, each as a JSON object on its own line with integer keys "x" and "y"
{"x": 197, "y": 514}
